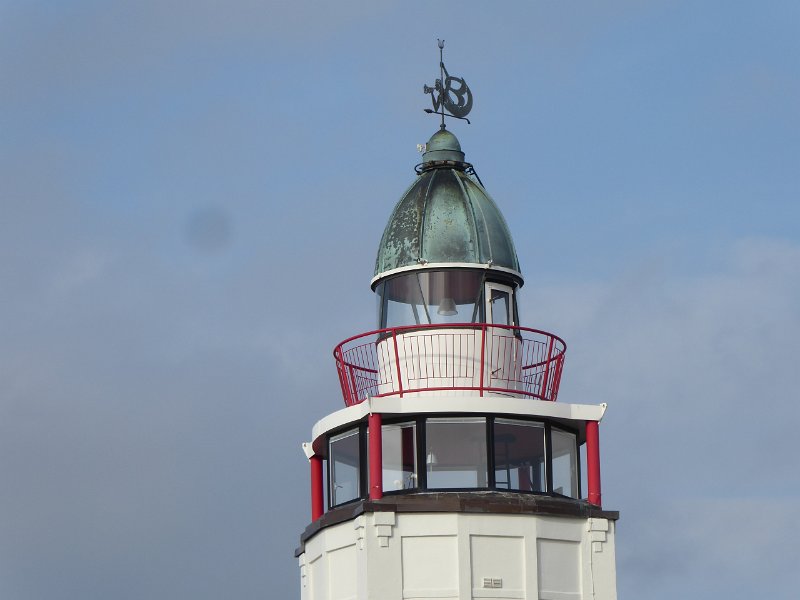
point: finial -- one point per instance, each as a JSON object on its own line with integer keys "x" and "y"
{"x": 449, "y": 93}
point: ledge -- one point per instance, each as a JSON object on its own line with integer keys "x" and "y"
{"x": 498, "y": 503}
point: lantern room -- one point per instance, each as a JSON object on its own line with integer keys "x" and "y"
{"x": 447, "y": 280}
{"x": 446, "y": 255}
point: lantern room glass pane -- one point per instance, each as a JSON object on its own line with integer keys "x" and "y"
{"x": 565, "y": 463}
{"x": 401, "y": 302}
{"x": 431, "y": 297}
{"x": 344, "y": 461}
{"x": 455, "y": 453}
{"x": 399, "y": 456}
{"x": 519, "y": 456}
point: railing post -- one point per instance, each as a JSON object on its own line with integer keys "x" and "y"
{"x": 557, "y": 376}
{"x": 483, "y": 354}
{"x": 547, "y": 369}
{"x": 593, "y": 463}
{"x": 317, "y": 508}
{"x": 352, "y": 386}
{"x": 342, "y": 383}
{"x": 397, "y": 362}
{"x": 375, "y": 457}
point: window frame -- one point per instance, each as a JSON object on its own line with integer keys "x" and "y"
{"x": 578, "y": 485}
{"x": 515, "y": 420}
{"x": 487, "y": 420}
{"x": 488, "y": 309}
{"x": 392, "y": 422}
{"x": 358, "y": 429}
{"x": 421, "y": 435}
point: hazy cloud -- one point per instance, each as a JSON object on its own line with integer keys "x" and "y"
{"x": 191, "y": 198}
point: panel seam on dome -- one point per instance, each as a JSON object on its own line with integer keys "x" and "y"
{"x": 424, "y": 213}
{"x": 472, "y": 204}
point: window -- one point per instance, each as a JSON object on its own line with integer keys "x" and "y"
{"x": 498, "y": 304}
{"x": 565, "y": 463}
{"x": 526, "y": 456}
{"x": 431, "y": 297}
{"x": 519, "y": 456}
{"x": 345, "y": 467}
{"x": 401, "y": 302}
{"x": 455, "y": 453}
{"x": 399, "y": 456}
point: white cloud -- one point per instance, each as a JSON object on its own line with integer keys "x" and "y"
{"x": 700, "y": 373}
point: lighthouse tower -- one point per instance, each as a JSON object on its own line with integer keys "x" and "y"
{"x": 452, "y": 472}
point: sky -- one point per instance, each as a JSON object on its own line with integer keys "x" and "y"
{"x": 192, "y": 196}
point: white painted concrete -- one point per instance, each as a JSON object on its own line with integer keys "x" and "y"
{"x": 409, "y": 556}
{"x": 573, "y": 415}
{"x": 450, "y": 358}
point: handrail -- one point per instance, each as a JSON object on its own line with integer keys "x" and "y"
{"x": 419, "y": 359}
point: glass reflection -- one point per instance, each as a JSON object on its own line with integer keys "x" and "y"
{"x": 431, "y": 297}
{"x": 344, "y": 463}
{"x": 455, "y": 453}
{"x": 399, "y": 456}
{"x": 565, "y": 463}
{"x": 519, "y": 456}
{"x": 456, "y": 457}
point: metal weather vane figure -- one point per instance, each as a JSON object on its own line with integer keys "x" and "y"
{"x": 449, "y": 93}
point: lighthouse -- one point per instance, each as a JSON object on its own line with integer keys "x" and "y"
{"x": 452, "y": 471}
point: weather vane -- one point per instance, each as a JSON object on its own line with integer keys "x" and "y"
{"x": 449, "y": 93}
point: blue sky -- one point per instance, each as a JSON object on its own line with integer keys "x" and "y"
{"x": 192, "y": 197}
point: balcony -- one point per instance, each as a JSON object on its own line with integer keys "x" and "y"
{"x": 473, "y": 359}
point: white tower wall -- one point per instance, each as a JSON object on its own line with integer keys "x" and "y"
{"x": 421, "y": 556}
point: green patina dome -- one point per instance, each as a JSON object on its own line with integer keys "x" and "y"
{"x": 446, "y": 217}
{"x": 443, "y": 145}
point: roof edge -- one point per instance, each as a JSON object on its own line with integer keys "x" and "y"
{"x": 432, "y": 266}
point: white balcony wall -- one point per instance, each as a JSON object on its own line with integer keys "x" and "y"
{"x": 450, "y": 358}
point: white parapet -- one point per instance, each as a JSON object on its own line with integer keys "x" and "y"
{"x": 450, "y": 359}
{"x": 421, "y": 556}
{"x": 575, "y": 415}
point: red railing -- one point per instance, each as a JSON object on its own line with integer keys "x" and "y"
{"x": 436, "y": 358}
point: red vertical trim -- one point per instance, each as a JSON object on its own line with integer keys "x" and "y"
{"x": 483, "y": 354}
{"x": 375, "y": 457}
{"x": 317, "y": 508}
{"x": 593, "y": 462}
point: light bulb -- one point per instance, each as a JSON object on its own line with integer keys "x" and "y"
{"x": 447, "y": 307}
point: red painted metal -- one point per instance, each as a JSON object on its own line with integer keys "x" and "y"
{"x": 546, "y": 376}
{"x": 317, "y": 496}
{"x": 375, "y": 457}
{"x": 593, "y": 463}
{"x": 479, "y": 357}
{"x": 483, "y": 357}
